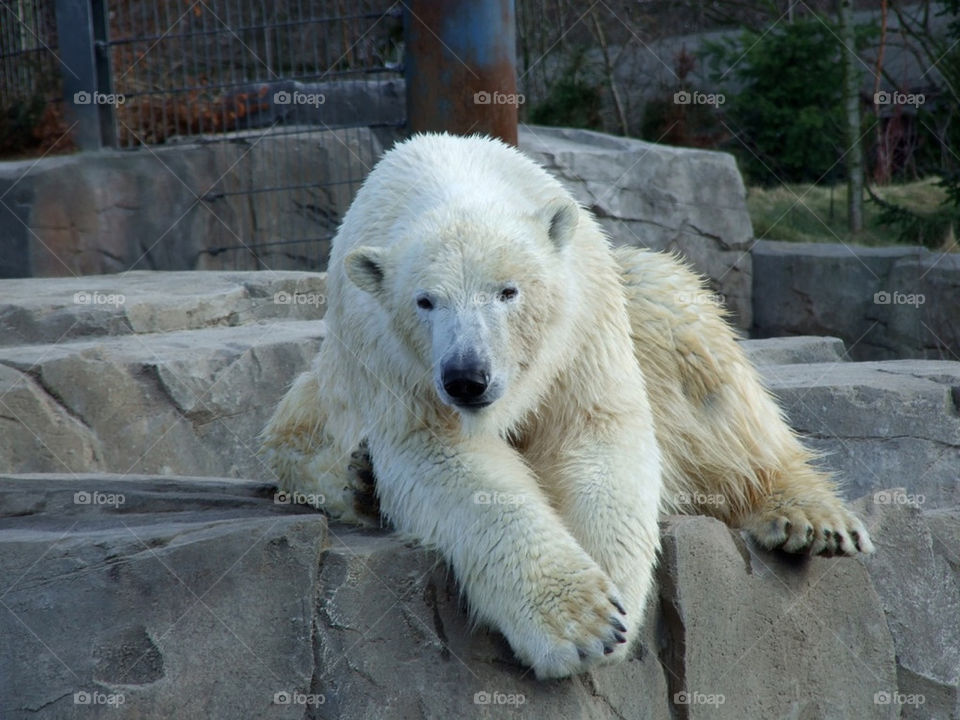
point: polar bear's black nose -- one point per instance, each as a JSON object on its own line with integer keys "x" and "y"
{"x": 465, "y": 384}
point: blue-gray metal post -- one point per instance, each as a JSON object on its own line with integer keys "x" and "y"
{"x": 85, "y": 60}
{"x": 461, "y": 67}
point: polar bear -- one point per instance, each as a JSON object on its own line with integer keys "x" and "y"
{"x": 532, "y": 400}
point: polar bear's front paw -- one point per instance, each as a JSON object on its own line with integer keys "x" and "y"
{"x": 808, "y": 526}
{"x": 583, "y": 622}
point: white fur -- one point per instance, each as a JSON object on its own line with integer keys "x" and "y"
{"x": 568, "y": 451}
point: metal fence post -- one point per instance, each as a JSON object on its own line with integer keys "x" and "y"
{"x": 461, "y": 67}
{"x": 85, "y": 65}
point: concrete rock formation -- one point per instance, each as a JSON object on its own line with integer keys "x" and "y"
{"x": 136, "y": 580}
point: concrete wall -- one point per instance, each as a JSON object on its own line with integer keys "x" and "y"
{"x": 891, "y": 302}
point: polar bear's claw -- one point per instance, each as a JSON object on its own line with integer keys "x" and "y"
{"x": 810, "y": 527}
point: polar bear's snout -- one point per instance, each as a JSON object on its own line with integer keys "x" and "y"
{"x": 465, "y": 380}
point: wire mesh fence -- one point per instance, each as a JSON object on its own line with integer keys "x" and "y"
{"x": 289, "y": 96}
{"x": 30, "y": 83}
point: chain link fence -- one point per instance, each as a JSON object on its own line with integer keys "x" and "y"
{"x": 289, "y": 96}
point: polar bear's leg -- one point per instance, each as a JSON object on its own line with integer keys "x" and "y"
{"x": 726, "y": 447}
{"x": 605, "y": 481}
{"x": 310, "y": 461}
{"x": 477, "y": 502}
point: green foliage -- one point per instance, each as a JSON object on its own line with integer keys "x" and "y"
{"x": 784, "y": 100}
{"x": 573, "y": 101}
{"x": 927, "y": 229}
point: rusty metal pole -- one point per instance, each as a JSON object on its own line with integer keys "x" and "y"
{"x": 461, "y": 67}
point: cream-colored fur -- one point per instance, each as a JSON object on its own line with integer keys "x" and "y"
{"x": 615, "y": 390}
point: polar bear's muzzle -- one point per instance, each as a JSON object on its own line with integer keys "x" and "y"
{"x": 466, "y": 382}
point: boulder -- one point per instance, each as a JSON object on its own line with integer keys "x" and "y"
{"x": 879, "y": 424}
{"x": 659, "y": 197}
{"x": 250, "y": 200}
{"x": 146, "y": 596}
{"x": 890, "y": 302}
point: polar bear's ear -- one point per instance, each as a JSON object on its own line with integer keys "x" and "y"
{"x": 561, "y": 217}
{"x": 364, "y": 266}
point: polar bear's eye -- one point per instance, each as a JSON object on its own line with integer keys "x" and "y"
{"x": 508, "y": 293}
{"x": 423, "y": 302}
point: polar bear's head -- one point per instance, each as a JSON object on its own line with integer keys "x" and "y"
{"x": 474, "y": 293}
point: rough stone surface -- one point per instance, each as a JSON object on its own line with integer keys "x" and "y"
{"x": 794, "y": 350}
{"x": 748, "y": 631}
{"x": 177, "y": 403}
{"x": 205, "y": 598}
{"x": 917, "y": 576}
{"x": 879, "y": 424}
{"x": 194, "y": 598}
{"x": 178, "y": 207}
{"x": 885, "y": 303}
{"x": 660, "y": 197}
{"x": 52, "y": 310}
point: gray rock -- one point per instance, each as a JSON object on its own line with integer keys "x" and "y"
{"x": 659, "y": 197}
{"x": 879, "y": 424}
{"x": 794, "y": 350}
{"x": 922, "y": 605}
{"x": 194, "y": 598}
{"x": 178, "y": 403}
{"x": 204, "y": 597}
{"x": 200, "y": 205}
{"x": 748, "y": 632}
{"x": 52, "y": 310}
{"x": 893, "y": 302}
